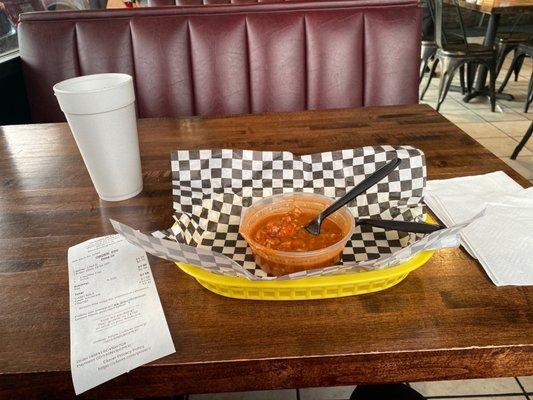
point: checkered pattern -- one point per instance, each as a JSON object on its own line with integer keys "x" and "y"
{"x": 200, "y": 174}
{"x": 437, "y": 240}
{"x": 173, "y": 251}
{"x": 159, "y": 246}
{"x": 212, "y": 189}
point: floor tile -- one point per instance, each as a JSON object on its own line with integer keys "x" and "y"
{"x": 525, "y": 73}
{"x": 517, "y": 89}
{"x": 517, "y": 105}
{"x": 528, "y": 115}
{"x": 327, "y": 393}
{"x": 430, "y": 96}
{"x": 515, "y": 129}
{"x": 484, "y": 398}
{"x": 449, "y": 105}
{"x": 527, "y": 381}
{"x": 289, "y": 394}
{"x": 482, "y": 130}
{"x": 503, "y": 147}
{"x": 468, "y": 387}
{"x": 457, "y": 96}
{"x": 460, "y": 117}
{"x": 505, "y": 114}
{"x": 431, "y": 93}
{"x": 479, "y": 103}
{"x": 519, "y": 92}
{"x": 521, "y": 83}
{"x": 523, "y": 165}
{"x": 482, "y": 104}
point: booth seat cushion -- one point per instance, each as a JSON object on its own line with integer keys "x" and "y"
{"x": 238, "y": 59}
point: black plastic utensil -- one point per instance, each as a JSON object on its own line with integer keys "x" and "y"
{"x": 314, "y": 226}
{"x": 402, "y": 226}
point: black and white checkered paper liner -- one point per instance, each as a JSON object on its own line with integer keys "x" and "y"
{"x": 219, "y": 264}
{"x": 212, "y": 188}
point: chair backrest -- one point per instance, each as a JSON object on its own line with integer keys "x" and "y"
{"x": 517, "y": 20}
{"x": 238, "y": 59}
{"x": 440, "y": 35}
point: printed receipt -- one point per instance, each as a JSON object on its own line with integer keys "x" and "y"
{"x": 116, "y": 319}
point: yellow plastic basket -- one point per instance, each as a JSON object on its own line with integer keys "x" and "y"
{"x": 320, "y": 287}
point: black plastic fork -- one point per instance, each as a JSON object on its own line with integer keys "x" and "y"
{"x": 314, "y": 226}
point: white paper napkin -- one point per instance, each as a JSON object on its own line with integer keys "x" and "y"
{"x": 502, "y": 237}
{"x": 458, "y": 200}
{"x": 502, "y": 241}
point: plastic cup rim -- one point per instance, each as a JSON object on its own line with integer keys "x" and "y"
{"x": 311, "y": 252}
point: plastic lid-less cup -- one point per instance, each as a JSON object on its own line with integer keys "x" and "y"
{"x": 100, "y": 110}
{"x": 277, "y": 262}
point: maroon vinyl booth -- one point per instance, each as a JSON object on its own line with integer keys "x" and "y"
{"x": 163, "y": 3}
{"x": 235, "y": 59}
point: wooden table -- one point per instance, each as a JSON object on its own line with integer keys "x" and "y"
{"x": 445, "y": 321}
{"x": 495, "y": 6}
{"x": 119, "y": 4}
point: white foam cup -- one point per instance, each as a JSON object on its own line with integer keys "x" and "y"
{"x": 100, "y": 111}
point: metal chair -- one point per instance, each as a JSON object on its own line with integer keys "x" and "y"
{"x": 454, "y": 56}
{"x": 506, "y": 42}
{"x": 428, "y": 47}
{"x": 522, "y": 142}
{"x": 522, "y": 51}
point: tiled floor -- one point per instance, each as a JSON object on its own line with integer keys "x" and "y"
{"x": 500, "y": 132}
{"x": 473, "y": 389}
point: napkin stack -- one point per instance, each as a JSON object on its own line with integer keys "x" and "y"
{"x": 501, "y": 235}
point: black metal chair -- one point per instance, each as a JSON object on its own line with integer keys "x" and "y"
{"x": 454, "y": 56}
{"x": 508, "y": 41}
{"x": 522, "y": 142}
{"x": 429, "y": 46}
{"x": 522, "y": 51}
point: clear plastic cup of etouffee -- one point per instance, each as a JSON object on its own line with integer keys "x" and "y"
{"x": 280, "y": 261}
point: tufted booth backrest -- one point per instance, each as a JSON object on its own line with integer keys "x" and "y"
{"x": 237, "y": 59}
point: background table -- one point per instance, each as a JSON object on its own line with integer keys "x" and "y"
{"x": 445, "y": 321}
{"x": 494, "y": 8}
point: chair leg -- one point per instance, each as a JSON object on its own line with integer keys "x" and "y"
{"x": 501, "y": 53}
{"x": 423, "y": 65}
{"x": 492, "y": 86}
{"x": 501, "y": 56}
{"x": 529, "y": 97}
{"x": 522, "y": 142}
{"x": 448, "y": 70}
{"x": 510, "y": 71}
{"x": 470, "y": 76}
{"x": 462, "y": 78}
{"x": 431, "y": 73}
{"x": 517, "y": 69}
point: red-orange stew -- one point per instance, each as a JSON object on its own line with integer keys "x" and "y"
{"x": 286, "y": 232}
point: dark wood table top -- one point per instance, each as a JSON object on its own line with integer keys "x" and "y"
{"x": 445, "y": 321}
{"x": 495, "y": 6}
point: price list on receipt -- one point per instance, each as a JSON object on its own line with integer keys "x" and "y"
{"x": 116, "y": 319}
